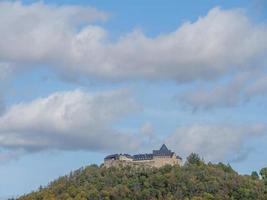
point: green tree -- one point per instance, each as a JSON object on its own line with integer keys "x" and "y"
{"x": 263, "y": 173}
{"x": 255, "y": 175}
{"x": 194, "y": 159}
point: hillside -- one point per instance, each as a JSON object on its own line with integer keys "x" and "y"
{"x": 195, "y": 180}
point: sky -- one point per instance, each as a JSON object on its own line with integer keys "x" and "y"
{"x": 83, "y": 79}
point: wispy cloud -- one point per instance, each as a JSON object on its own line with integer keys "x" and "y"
{"x": 241, "y": 89}
{"x": 215, "y": 142}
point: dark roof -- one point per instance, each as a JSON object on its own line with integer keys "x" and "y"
{"x": 163, "y": 151}
{"x": 178, "y": 157}
{"x": 113, "y": 156}
{"x": 164, "y": 148}
{"x": 116, "y": 156}
{"x": 143, "y": 156}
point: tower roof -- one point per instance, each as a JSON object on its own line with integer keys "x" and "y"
{"x": 164, "y": 148}
{"x": 163, "y": 151}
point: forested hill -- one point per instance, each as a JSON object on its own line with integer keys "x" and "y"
{"x": 195, "y": 180}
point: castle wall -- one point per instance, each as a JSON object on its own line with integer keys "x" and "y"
{"x": 117, "y": 163}
{"x": 147, "y": 163}
{"x": 158, "y": 161}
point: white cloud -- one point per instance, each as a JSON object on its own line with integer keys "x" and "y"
{"x": 65, "y": 38}
{"x": 214, "y": 142}
{"x": 38, "y": 33}
{"x": 207, "y": 48}
{"x": 73, "y": 120}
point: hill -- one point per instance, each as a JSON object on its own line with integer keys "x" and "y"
{"x": 195, "y": 180}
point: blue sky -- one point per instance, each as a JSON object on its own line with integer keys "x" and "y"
{"x": 82, "y": 79}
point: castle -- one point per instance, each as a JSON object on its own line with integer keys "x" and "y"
{"x": 157, "y": 158}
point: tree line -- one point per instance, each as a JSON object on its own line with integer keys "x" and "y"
{"x": 195, "y": 180}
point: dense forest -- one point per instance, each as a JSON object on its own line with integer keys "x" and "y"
{"x": 195, "y": 180}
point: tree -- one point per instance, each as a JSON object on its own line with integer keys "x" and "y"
{"x": 194, "y": 159}
{"x": 255, "y": 175}
{"x": 263, "y": 174}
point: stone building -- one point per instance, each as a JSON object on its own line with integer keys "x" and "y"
{"x": 157, "y": 158}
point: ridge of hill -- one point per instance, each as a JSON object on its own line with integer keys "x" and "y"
{"x": 195, "y": 180}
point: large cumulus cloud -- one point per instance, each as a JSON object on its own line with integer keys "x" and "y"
{"x": 66, "y": 38}
{"x": 71, "y": 120}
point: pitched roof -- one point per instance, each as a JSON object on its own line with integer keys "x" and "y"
{"x": 163, "y": 151}
{"x": 163, "y": 148}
